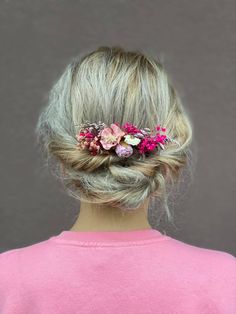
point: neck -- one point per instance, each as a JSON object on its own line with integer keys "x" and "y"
{"x": 93, "y": 217}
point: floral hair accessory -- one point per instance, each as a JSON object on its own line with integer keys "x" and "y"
{"x": 124, "y": 141}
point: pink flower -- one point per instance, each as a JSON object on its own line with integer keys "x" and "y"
{"x": 88, "y": 141}
{"x": 160, "y": 139}
{"x": 160, "y": 128}
{"x": 94, "y": 147}
{"x": 130, "y": 128}
{"x": 111, "y": 136}
{"x": 147, "y": 145}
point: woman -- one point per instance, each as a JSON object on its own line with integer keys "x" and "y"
{"x": 118, "y": 135}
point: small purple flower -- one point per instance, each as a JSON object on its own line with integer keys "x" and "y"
{"x": 124, "y": 150}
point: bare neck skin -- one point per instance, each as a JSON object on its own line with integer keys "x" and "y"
{"x": 106, "y": 218}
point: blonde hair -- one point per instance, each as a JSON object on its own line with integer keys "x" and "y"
{"x": 110, "y": 85}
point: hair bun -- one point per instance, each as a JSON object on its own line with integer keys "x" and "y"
{"x": 111, "y": 84}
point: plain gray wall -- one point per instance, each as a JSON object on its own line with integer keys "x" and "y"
{"x": 195, "y": 39}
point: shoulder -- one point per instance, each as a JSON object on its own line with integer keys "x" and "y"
{"x": 14, "y": 260}
{"x": 206, "y": 255}
{"x": 214, "y": 265}
{"x": 17, "y": 266}
{"x": 207, "y": 274}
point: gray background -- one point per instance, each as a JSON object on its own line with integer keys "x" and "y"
{"x": 195, "y": 40}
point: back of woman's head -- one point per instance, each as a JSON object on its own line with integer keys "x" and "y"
{"x": 112, "y": 85}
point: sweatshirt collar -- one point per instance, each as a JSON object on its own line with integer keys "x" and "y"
{"x": 109, "y": 236}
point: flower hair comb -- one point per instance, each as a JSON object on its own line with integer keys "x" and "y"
{"x": 124, "y": 141}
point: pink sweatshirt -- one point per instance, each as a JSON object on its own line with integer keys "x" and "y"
{"x": 127, "y": 272}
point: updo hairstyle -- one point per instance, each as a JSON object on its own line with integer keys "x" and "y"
{"x": 111, "y": 85}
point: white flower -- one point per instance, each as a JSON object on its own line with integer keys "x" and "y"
{"x": 132, "y": 140}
